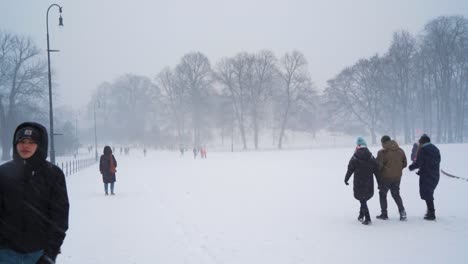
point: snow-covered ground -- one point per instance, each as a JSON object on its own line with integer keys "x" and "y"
{"x": 258, "y": 207}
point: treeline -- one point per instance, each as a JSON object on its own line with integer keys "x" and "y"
{"x": 196, "y": 102}
{"x": 419, "y": 85}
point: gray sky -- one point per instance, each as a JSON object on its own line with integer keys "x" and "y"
{"x": 103, "y": 39}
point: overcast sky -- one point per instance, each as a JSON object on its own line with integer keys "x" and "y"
{"x": 103, "y": 39}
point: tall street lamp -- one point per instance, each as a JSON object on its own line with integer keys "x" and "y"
{"x": 51, "y": 113}
{"x": 95, "y": 131}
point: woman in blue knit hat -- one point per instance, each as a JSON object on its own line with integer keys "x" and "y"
{"x": 364, "y": 166}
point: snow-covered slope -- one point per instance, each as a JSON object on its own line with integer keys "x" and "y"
{"x": 258, "y": 207}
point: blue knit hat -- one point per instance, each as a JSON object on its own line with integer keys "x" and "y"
{"x": 361, "y": 142}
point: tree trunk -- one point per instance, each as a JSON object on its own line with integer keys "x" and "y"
{"x": 283, "y": 127}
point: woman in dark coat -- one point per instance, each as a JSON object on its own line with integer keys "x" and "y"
{"x": 107, "y": 167}
{"x": 428, "y": 162}
{"x": 364, "y": 166}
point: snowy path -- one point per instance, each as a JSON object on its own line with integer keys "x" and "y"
{"x": 256, "y": 207}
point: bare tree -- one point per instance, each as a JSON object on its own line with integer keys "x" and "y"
{"x": 22, "y": 83}
{"x": 445, "y": 42}
{"x": 357, "y": 91}
{"x": 264, "y": 71}
{"x": 295, "y": 82}
{"x": 194, "y": 74}
{"x": 175, "y": 97}
{"x": 236, "y": 74}
{"x": 401, "y": 67}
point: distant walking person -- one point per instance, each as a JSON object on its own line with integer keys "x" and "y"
{"x": 392, "y": 160}
{"x": 107, "y": 167}
{"x": 414, "y": 152}
{"x": 33, "y": 201}
{"x": 195, "y": 152}
{"x": 364, "y": 166}
{"x": 203, "y": 152}
{"x": 428, "y": 162}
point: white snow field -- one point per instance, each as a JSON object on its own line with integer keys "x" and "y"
{"x": 272, "y": 207}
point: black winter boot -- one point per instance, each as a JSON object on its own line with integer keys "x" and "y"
{"x": 402, "y": 215}
{"x": 383, "y": 216}
{"x": 361, "y": 216}
{"x": 430, "y": 215}
{"x": 367, "y": 219}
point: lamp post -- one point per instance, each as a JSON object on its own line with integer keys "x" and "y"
{"x": 51, "y": 113}
{"x": 95, "y": 133}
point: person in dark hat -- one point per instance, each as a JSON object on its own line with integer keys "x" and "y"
{"x": 392, "y": 160}
{"x": 428, "y": 163}
{"x": 34, "y": 203}
{"x": 364, "y": 166}
{"x": 107, "y": 166}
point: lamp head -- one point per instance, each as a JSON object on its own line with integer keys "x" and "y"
{"x": 60, "y": 18}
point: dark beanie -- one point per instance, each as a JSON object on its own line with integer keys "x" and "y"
{"x": 28, "y": 132}
{"x": 385, "y": 139}
{"x": 424, "y": 139}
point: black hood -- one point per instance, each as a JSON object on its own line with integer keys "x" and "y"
{"x": 363, "y": 154}
{"x": 42, "y": 146}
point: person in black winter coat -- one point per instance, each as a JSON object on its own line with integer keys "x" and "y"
{"x": 364, "y": 166}
{"x": 107, "y": 165}
{"x": 33, "y": 201}
{"x": 428, "y": 162}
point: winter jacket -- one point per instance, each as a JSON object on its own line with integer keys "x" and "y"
{"x": 392, "y": 160}
{"x": 33, "y": 201}
{"x": 414, "y": 152}
{"x": 364, "y": 166}
{"x": 104, "y": 167}
{"x": 428, "y": 162}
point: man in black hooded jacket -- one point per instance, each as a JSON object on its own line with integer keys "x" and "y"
{"x": 33, "y": 201}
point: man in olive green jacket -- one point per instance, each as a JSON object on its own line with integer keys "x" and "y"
{"x": 392, "y": 160}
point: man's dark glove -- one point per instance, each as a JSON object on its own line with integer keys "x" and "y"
{"x": 346, "y": 182}
{"x": 46, "y": 260}
{"x": 412, "y": 167}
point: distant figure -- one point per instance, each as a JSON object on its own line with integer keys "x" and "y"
{"x": 195, "y": 152}
{"x": 203, "y": 152}
{"x": 144, "y": 152}
{"x": 364, "y": 166}
{"x": 414, "y": 152}
{"x": 181, "y": 149}
{"x": 120, "y": 150}
{"x": 34, "y": 206}
{"x": 392, "y": 161}
{"x": 107, "y": 166}
{"x": 428, "y": 163}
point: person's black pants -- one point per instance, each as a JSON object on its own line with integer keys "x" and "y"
{"x": 394, "y": 188}
{"x": 364, "y": 207}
